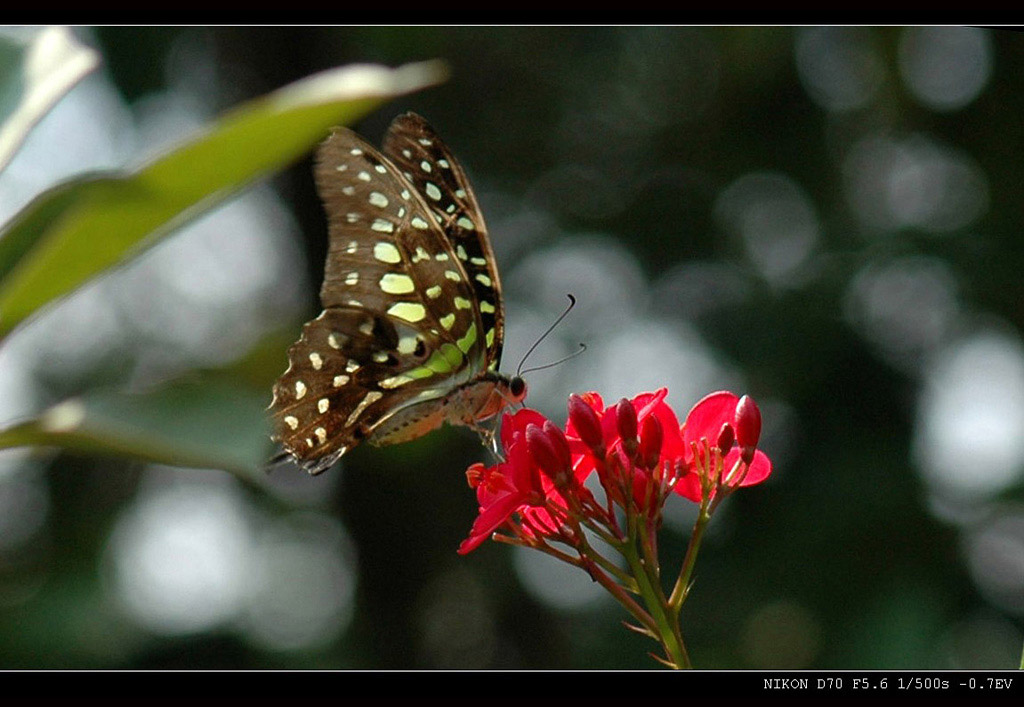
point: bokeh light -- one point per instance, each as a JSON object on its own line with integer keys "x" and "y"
{"x": 945, "y": 68}
{"x": 181, "y": 557}
{"x": 966, "y": 439}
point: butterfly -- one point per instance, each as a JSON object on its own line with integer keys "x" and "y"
{"x": 413, "y": 323}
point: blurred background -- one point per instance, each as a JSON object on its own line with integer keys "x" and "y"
{"x": 828, "y": 219}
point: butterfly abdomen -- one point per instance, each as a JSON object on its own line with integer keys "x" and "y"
{"x": 467, "y": 405}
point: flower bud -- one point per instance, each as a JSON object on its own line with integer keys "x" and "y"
{"x": 560, "y": 443}
{"x": 725, "y": 438}
{"x": 586, "y": 423}
{"x": 649, "y": 451}
{"x": 549, "y": 451}
{"x": 475, "y": 474}
{"x": 748, "y": 426}
{"x": 625, "y": 421}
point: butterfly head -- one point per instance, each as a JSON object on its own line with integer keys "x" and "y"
{"x": 502, "y": 391}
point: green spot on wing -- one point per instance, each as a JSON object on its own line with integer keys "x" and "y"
{"x": 452, "y": 355}
{"x": 466, "y": 342}
{"x": 424, "y": 371}
{"x": 437, "y": 363}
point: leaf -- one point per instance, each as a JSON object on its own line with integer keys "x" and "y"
{"x": 77, "y": 230}
{"x": 207, "y": 423}
{"x": 35, "y": 73}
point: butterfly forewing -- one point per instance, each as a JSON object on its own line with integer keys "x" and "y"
{"x": 413, "y": 146}
{"x": 400, "y": 327}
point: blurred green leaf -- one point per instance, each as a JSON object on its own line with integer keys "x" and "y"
{"x": 206, "y": 422}
{"x": 36, "y": 70}
{"x": 77, "y": 230}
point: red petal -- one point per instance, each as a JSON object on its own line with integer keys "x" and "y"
{"x": 511, "y": 424}
{"x": 760, "y": 469}
{"x": 689, "y": 487}
{"x": 707, "y": 417}
{"x": 489, "y": 520}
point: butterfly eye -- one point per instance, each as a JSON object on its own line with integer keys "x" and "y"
{"x": 517, "y": 386}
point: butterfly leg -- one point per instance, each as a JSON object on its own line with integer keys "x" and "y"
{"x": 488, "y": 437}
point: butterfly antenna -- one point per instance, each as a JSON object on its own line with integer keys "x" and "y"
{"x": 519, "y": 369}
{"x": 574, "y": 354}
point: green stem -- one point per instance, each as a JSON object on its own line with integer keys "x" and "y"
{"x": 666, "y": 619}
{"x": 606, "y": 564}
{"x": 620, "y": 595}
{"x": 683, "y": 582}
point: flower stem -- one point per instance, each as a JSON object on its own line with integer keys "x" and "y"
{"x": 666, "y": 619}
{"x": 683, "y": 582}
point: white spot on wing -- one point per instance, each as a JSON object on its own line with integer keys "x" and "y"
{"x": 396, "y": 284}
{"x": 382, "y": 225}
{"x": 386, "y": 252}
{"x": 411, "y": 312}
{"x": 371, "y": 397}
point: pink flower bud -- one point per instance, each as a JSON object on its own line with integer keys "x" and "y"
{"x": 625, "y": 421}
{"x": 649, "y": 451}
{"x": 559, "y": 442}
{"x": 549, "y": 451}
{"x": 586, "y": 423}
{"x": 725, "y": 438}
{"x": 748, "y": 426}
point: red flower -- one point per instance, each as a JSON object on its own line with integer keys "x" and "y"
{"x": 522, "y": 484}
{"x": 717, "y": 420}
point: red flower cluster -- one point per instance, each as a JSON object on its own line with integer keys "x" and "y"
{"x": 638, "y": 450}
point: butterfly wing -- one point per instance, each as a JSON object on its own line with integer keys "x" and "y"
{"x": 425, "y": 161}
{"x": 400, "y": 326}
